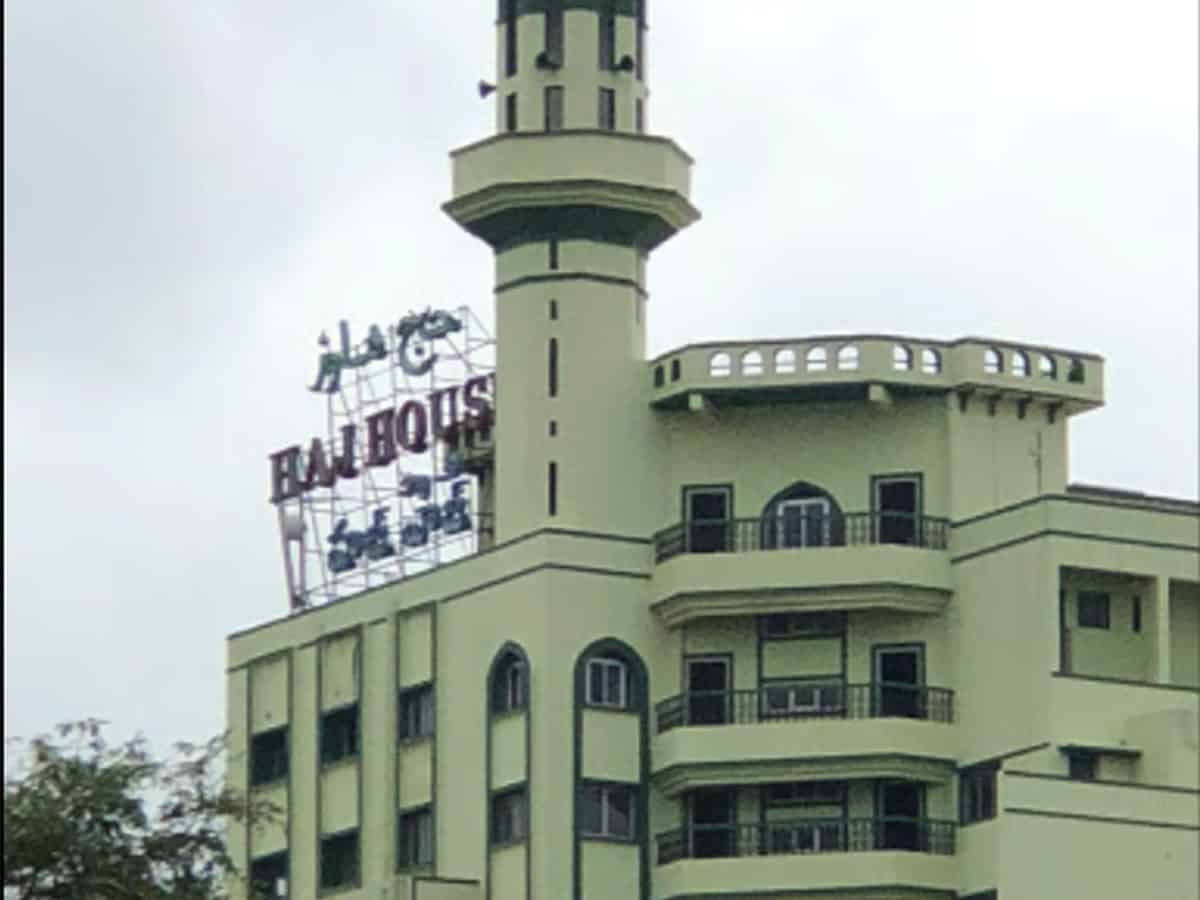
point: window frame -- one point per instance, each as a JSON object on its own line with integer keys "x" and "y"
{"x": 275, "y": 774}
{"x": 602, "y": 792}
{"x": 554, "y": 107}
{"x": 411, "y": 822}
{"x": 355, "y": 882}
{"x": 977, "y": 793}
{"x": 272, "y": 858}
{"x": 607, "y": 113}
{"x": 515, "y": 694}
{"x": 327, "y": 718}
{"x": 417, "y": 713}
{"x": 607, "y": 663}
{"x": 509, "y": 805}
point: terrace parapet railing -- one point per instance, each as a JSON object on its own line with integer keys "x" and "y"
{"x": 809, "y": 532}
{"x": 807, "y": 836}
{"x": 805, "y": 701}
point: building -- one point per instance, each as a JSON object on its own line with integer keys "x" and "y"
{"x": 813, "y": 618}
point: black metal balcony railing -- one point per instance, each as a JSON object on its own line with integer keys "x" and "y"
{"x": 832, "y": 530}
{"x": 803, "y": 836}
{"x": 806, "y": 700}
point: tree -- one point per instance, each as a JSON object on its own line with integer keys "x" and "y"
{"x": 86, "y": 821}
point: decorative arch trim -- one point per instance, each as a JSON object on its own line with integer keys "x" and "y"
{"x": 639, "y": 695}
{"x": 507, "y": 649}
{"x": 802, "y": 490}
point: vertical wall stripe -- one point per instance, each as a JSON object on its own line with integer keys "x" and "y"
{"x": 394, "y": 744}
{"x": 360, "y": 653}
{"x": 319, "y": 652}
{"x": 436, "y": 738}
{"x": 249, "y": 761}
{"x": 291, "y": 706}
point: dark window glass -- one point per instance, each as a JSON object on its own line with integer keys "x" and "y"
{"x": 898, "y": 503}
{"x": 676, "y": 370}
{"x": 553, "y": 310}
{"x": 554, "y": 33}
{"x": 269, "y": 756}
{"x": 608, "y": 811}
{"x": 1093, "y": 609}
{"x": 806, "y": 793}
{"x": 552, "y": 489}
{"x": 641, "y": 39}
{"x": 554, "y": 108}
{"x": 553, "y": 428}
{"x": 608, "y": 36}
{"x": 416, "y": 839}
{"x": 708, "y": 516}
{"x": 510, "y": 687}
{"x": 1137, "y": 614}
{"x": 268, "y": 876}
{"x": 510, "y": 112}
{"x": 509, "y": 817}
{"x": 339, "y": 861}
{"x": 977, "y": 794}
{"x": 608, "y": 109}
{"x": 660, "y": 376}
{"x": 553, "y": 263}
{"x": 552, "y": 367}
{"x": 339, "y": 734}
{"x": 1082, "y": 766}
{"x": 416, "y": 713}
{"x": 779, "y": 625}
{"x": 639, "y": 115}
{"x": 510, "y": 38}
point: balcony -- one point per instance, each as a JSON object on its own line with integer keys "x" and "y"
{"x": 805, "y": 701}
{"x": 807, "y": 836}
{"x": 843, "y": 561}
{"x": 809, "y": 533}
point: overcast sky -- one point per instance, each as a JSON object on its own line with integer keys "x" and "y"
{"x": 195, "y": 190}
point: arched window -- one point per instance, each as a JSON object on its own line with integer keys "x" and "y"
{"x": 902, "y": 358}
{"x": 1020, "y": 364}
{"x": 785, "y": 362}
{"x": 847, "y": 358}
{"x": 931, "y": 361}
{"x": 1047, "y": 368}
{"x": 993, "y": 361}
{"x": 802, "y": 515}
{"x": 509, "y": 681}
{"x": 611, "y": 677}
{"x": 1075, "y": 373}
{"x": 816, "y": 360}
{"x": 720, "y": 365}
{"x": 752, "y": 363}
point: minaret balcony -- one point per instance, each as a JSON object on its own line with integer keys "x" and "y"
{"x": 847, "y": 561}
{"x": 630, "y": 189}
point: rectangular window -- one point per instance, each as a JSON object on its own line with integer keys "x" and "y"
{"x": 639, "y": 115}
{"x": 553, "y": 310}
{"x": 269, "y": 756}
{"x": 806, "y": 793}
{"x": 554, "y": 33}
{"x": 1137, "y": 614}
{"x": 898, "y": 511}
{"x": 552, "y": 367}
{"x": 608, "y": 811}
{"x": 608, "y": 36}
{"x": 554, "y": 108}
{"x": 608, "y": 109}
{"x": 977, "y": 793}
{"x": 708, "y": 512}
{"x": 510, "y": 38}
{"x": 607, "y": 683}
{"x": 1081, "y": 766}
{"x": 552, "y": 489}
{"x": 416, "y": 838}
{"x": 510, "y": 690}
{"x": 553, "y": 260}
{"x": 339, "y": 861}
{"x": 510, "y": 112}
{"x": 339, "y": 734}
{"x": 676, "y": 370}
{"x": 788, "y": 625}
{"x": 1093, "y": 609}
{"x": 510, "y": 819}
{"x": 269, "y": 876}
{"x": 416, "y": 713}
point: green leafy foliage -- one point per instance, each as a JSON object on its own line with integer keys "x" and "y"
{"x": 87, "y": 821}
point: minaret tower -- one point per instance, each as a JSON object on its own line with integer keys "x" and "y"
{"x": 572, "y": 195}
